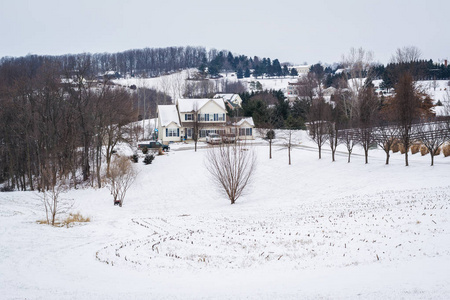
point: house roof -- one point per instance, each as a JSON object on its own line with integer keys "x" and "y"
{"x": 240, "y": 121}
{"x": 168, "y": 114}
{"x": 227, "y": 97}
{"x": 189, "y": 105}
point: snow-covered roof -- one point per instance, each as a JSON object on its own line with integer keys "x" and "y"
{"x": 188, "y": 105}
{"x": 440, "y": 111}
{"x": 302, "y": 67}
{"x": 329, "y": 91}
{"x": 168, "y": 114}
{"x": 249, "y": 120}
{"x": 227, "y": 97}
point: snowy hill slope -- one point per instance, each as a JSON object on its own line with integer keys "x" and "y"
{"x": 315, "y": 229}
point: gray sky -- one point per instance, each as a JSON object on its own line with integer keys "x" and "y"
{"x": 296, "y": 31}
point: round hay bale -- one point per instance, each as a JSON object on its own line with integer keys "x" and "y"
{"x": 438, "y": 151}
{"x": 395, "y": 148}
{"x": 402, "y": 149}
{"x": 446, "y": 150}
{"x": 415, "y": 148}
{"x": 423, "y": 150}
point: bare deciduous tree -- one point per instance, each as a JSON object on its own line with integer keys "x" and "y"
{"x": 267, "y": 132}
{"x": 349, "y": 138}
{"x": 367, "y": 115}
{"x": 433, "y": 134}
{"x": 289, "y": 141}
{"x": 231, "y": 167}
{"x": 386, "y": 137}
{"x": 358, "y": 65}
{"x": 54, "y": 204}
{"x": 406, "y": 54}
{"x": 196, "y": 124}
{"x": 318, "y": 128}
{"x": 406, "y": 108}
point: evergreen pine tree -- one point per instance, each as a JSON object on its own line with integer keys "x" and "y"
{"x": 239, "y": 74}
{"x": 247, "y": 73}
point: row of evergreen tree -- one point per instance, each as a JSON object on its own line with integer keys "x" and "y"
{"x": 419, "y": 69}
{"x": 245, "y": 66}
{"x": 151, "y": 62}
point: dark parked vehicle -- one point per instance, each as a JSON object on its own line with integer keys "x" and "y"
{"x": 229, "y": 138}
{"x": 154, "y": 145}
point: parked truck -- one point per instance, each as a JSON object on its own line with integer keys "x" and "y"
{"x": 153, "y": 145}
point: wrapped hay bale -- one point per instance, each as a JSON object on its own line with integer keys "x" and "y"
{"x": 446, "y": 150}
{"x": 415, "y": 148}
{"x": 423, "y": 150}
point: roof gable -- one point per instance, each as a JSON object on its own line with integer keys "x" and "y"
{"x": 189, "y": 105}
{"x": 168, "y": 114}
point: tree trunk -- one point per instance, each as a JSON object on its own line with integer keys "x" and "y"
{"x": 406, "y": 158}
{"x": 320, "y": 152}
{"x": 289, "y": 150}
{"x": 270, "y": 149}
{"x": 366, "y": 154}
{"x": 387, "y": 157}
{"x": 99, "y": 164}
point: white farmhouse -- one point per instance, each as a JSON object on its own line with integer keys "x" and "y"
{"x": 179, "y": 122}
{"x": 210, "y": 113}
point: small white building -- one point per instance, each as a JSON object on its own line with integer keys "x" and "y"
{"x": 169, "y": 125}
{"x": 233, "y": 101}
{"x": 302, "y": 70}
{"x": 243, "y": 128}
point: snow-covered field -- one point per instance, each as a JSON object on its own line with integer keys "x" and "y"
{"x": 315, "y": 229}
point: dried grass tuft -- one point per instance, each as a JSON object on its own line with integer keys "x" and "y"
{"x": 75, "y": 218}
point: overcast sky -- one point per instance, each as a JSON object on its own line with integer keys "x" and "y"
{"x": 295, "y": 31}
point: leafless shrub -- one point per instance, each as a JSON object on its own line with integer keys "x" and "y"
{"x": 231, "y": 167}
{"x": 122, "y": 174}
